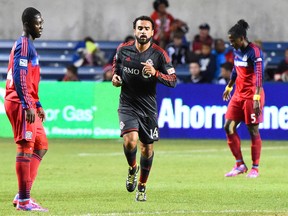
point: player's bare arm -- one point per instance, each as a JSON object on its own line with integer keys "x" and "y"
{"x": 256, "y": 103}
{"x": 116, "y": 80}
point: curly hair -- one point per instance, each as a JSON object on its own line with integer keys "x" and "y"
{"x": 239, "y": 29}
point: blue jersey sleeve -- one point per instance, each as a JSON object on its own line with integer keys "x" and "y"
{"x": 20, "y": 70}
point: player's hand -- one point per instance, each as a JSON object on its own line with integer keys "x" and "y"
{"x": 30, "y": 116}
{"x": 41, "y": 114}
{"x": 116, "y": 80}
{"x": 256, "y": 107}
{"x": 226, "y": 95}
{"x": 148, "y": 69}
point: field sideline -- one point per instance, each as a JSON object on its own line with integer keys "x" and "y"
{"x": 87, "y": 177}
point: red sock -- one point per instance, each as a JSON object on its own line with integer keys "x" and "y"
{"x": 234, "y": 143}
{"x": 256, "y": 149}
{"x": 34, "y": 165}
{"x": 23, "y": 174}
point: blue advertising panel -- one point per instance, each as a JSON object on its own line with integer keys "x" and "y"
{"x": 198, "y": 111}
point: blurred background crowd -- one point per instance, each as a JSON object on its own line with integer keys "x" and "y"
{"x": 202, "y": 58}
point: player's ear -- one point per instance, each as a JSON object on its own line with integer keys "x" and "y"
{"x": 134, "y": 32}
{"x": 152, "y": 33}
{"x": 26, "y": 26}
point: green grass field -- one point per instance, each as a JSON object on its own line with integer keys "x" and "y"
{"x": 87, "y": 177}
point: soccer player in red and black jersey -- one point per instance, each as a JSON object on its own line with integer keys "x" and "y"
{"x": 248, "y": 99}
{"x": 24, "y": 109}
{"x": 138, "y": 66}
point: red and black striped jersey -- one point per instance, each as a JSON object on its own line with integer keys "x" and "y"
{"x": 138, "y": 91}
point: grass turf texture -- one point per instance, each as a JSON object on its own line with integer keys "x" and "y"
{"x": 87, "y": 177}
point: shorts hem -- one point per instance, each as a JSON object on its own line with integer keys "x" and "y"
{"x": 128, "y": 131}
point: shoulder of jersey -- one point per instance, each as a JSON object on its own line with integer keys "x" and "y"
{"x": 125, "y": 44}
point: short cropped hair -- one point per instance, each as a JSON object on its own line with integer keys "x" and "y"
{"x": 29, "y": 14}
{"x": 147, "y": 18}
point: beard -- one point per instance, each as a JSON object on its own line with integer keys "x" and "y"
{"x": 143, "y": 40}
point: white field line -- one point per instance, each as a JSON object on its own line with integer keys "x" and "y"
{"x": 224, "y": 212}
{"x": 184, "y": 152}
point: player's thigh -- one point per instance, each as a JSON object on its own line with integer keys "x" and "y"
{"x": 148, "y": 129}
{"x": 250, "y": 116}
{"x": 235, "y": 110}
{"x": 21, "y": 129}
{"x": 41, "y": 141}
{"x": 128, "y": 122}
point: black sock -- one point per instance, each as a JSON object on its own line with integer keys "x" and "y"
{"x": 131, "y": 157}
{"x": 146, "y": 164}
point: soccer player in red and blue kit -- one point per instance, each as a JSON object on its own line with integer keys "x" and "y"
{"x": 138, "y": 66}
{"x": 248, "y": 99}
{"x": 24, "y": 109}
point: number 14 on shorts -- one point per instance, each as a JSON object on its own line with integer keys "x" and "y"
{"x": 154, "y": 133}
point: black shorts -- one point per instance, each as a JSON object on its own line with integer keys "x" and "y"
{"x": 147, "y": 127}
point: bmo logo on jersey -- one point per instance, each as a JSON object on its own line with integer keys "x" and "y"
{"x": 136, "y": 71}
{"x": 128, "y": 70}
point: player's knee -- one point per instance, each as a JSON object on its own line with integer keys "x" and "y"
{"x": 130, "y": 140}
{"x": 146, "y": 150}
{"x": 228, "y": 129}
{"x": 253, "y": 130}
{"x": 41, "y": 152}
{"x": 25, "y": 148}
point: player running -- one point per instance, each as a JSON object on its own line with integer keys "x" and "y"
{"x": 248, "y": 99}
{"x": 24, "y": 109}
{"x": 138, "y": 66}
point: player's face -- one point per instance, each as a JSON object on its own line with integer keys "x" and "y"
{"x": 161, "y": 8}
{"x": 143, "y": 31}
{"x": 194, "y": 69}
{"x": 36, "y": 26}
{"x": 237, "y": 43}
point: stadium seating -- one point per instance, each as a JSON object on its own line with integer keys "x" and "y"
{"x": 56, "y": 55}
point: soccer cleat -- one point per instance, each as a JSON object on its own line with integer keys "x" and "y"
{"x": 253, "y": 173}
{"x": 30, "y": 207}
{"x": 141, "y": 193}
{"x": 237, "y": 170}
{"x": 16, "y": 200}
{"x": 131, "y": 180}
